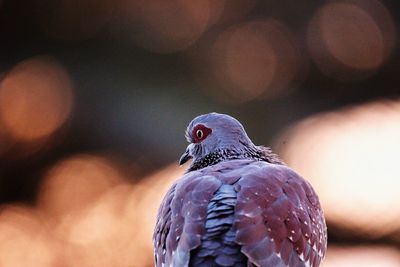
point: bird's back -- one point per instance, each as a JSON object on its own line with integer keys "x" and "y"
{"x": 240, "y": 213}
{"x": 218, "y": 246}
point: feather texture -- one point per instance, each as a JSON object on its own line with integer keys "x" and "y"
{"x": 240, "y": 212}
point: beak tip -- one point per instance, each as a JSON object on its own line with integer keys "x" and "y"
{"x": 184, "y": 158}
{"x": 182, "y": 161}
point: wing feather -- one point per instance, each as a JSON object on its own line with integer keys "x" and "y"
{"x": 291, "y": 218}
{"x": 181, "y": 218}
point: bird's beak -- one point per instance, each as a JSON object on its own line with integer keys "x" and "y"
{"x": 185, "y": 157}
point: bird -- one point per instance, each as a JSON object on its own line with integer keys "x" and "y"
{"x": 237, "y": 204}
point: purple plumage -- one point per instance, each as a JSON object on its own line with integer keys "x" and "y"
{"x": 238, "y": 205}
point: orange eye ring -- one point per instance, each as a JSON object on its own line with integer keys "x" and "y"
{"x": 199, "y": 134}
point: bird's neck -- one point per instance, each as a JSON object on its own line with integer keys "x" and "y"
{"x": 257, "y": 153}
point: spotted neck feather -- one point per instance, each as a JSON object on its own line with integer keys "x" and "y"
{"x": 258, "y": 153}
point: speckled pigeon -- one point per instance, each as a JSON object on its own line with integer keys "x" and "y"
{"x": 237, "y": 205}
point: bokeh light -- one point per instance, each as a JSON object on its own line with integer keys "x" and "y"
{"x": 89, "y": 234}
{"x": 365, "y": 256}
{"x": 24, "y": 239}
{"x": 90, "y": 205}
{"x": 35, "y": 99}
{"x": 355, "y": 52}
{"x": 248, "y": 61}
{"x": 84, "y": 198}
{"x": 75, "y": 19}
{"x": 351, "y": 157}
{"x": 255, "y": 59}
{"x": 350, "y": 40}
{"x": 143, "y": 204}
{"x": 76, "y": 182}
{"x": 168, "y": 26}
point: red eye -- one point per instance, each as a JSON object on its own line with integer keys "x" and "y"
{"x": 200, "y": 132}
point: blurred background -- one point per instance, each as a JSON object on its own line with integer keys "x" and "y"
{"x": 95, "y": 96}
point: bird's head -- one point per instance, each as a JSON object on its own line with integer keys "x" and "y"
{"x": 214, "y": 132}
